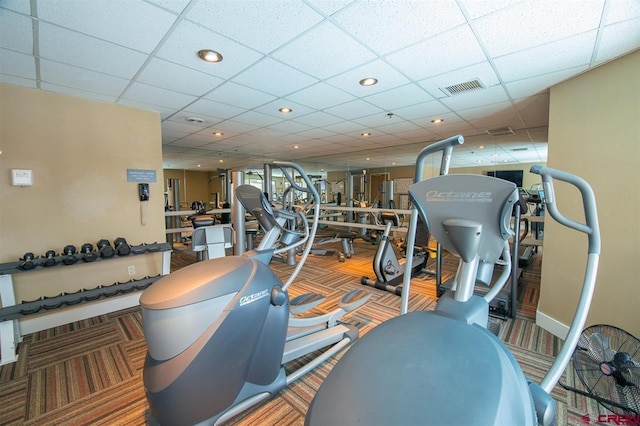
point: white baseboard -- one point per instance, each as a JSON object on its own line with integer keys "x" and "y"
{"x": 58, "y": 317}
{"x": 552, "y": 325}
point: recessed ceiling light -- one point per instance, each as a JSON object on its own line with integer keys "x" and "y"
{"x": 220, "y": 161}
{"x": 369, "y": 81}
{"x": 198, "y": 165}
{"x": 296, "y": 146}
{"x": 365, "y": 134}
{"x": 218, "y": 134}
{"x": 208, "y": 55}
{"x": 481, "y": 147}
{"x": 285, "y": 110}
{"x": 437, "y": 120}
{"x": 367, "y": 158}
{"x": 478, "y": 161}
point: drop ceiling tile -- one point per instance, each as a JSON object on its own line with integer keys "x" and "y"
{"x": 320, "y": 96}
{"x": 354, "y": 109}
{"x": 289, "y": 126}
{"x": 17, "y": 64}
{"x": 345, "y": 127}
{"x": 618, "y": 39}
{"x": 482, "y": 71}
{"x": 164, "y": 111}
{"x": 530, "y": 24}
{"x": 476, "y": 8}
{"x": 72, "y": 48}
{"x": 534, "y": 110}
{"x": 212, "y": 110}
{"x": 540, "y": 84}
{"x": 78, "y": 93}
{"x": 257, "y": 119}
{"x": 16, "y": 32}
{"x": 318, "y": 119}
{"x": 621, "y": 10}
{"x": 157, "y": 96}
{"x": 476, "y": 98}
{"x": 20, "y": 6}
{"x": 175, "y": 6}
{"x": 262, "y": 25}
{"x": 274, "y": 77}
{"x": 457, "y": 48}
{"x": 329, "y": 7}
{"x": 239, "y": 96}
{"x": 323, "y": 52}
{"x": 17, "y": 81}
{"x": 169, "y": 136}
{"x": 233, "y": 127}
{"x": 132, "y": 23}
{"x": 486, "y": 111}
{"x": 170, "y": 76}
{"x": 401, "y": 23}
{"x": 316, "y": 133}
{"x": 399, "y": 97}
{"x": 387, "y": 76}
{"x": 425, "y": 110}
{"x": 560, "y": 55}
{"x": 81, "y": 79}
{"x": 183, "y": 44}
{"x": 189, "y": 143}
{"x": 397, "y": 126}
{"x": 272, "y": 108}
{"x": 180, "y": 126}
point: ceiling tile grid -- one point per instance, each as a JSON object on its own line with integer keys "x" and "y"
{"x": 309, "y": 55}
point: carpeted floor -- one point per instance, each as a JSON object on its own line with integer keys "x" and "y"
{"x": 90, "y": 372}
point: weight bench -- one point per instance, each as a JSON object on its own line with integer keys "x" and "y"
{"x": 211, "y": 241}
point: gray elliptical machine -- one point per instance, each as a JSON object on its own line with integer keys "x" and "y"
{"x": 219, "y": 332}
{"x": 448, "y": 368}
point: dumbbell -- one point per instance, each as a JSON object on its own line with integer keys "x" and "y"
{"x": 87, "y": 254}
{"x": 50, "y": 258}
{"x": 27, "y": 262}
{"x": 105, "y": 249}
{"x": 122, "y": 248}
{"x": 70, "y": 255}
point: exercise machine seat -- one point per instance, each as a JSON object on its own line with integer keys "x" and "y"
{"x": 455, "y": 387}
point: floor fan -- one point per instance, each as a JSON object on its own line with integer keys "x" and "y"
{"x": 607, "y": 361}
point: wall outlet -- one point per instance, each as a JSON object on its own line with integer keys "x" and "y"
{"x": 132, "y": 270}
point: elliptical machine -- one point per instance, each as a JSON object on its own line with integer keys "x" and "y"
{"x": 449, "y": 366}
{"x": 388, "y": 268}
{"x": 219, "y": 332}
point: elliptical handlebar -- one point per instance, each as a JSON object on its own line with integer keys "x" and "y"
{"x": 283, "y": 165}
{"x": 446, "y": 146}
{"x": 592, "y": 229}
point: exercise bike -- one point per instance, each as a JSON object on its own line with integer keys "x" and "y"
{"x": 219, "y": 332}
{"x": 448, "y": 368}
{"x": 389, "y": 269}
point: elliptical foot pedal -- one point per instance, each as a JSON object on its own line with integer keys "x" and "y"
{"x": 494, "y": 327}
{"x": 353, "y": 300}
{"x": 305, "y": 302}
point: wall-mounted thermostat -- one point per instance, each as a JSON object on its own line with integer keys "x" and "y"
{"x": 21, "y": 177}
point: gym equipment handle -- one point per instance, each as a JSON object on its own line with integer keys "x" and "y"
{"x": 446, "y": 146}
{"x": 588, "y": 201}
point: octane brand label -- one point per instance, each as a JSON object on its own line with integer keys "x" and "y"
{"x": 245, "y": 300}
{"x": 467, "y": 196}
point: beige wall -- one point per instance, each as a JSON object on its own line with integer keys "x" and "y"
{"x": 594, "y": 132}
{"x": 79, "y": 152}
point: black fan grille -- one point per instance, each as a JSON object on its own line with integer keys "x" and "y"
{"x": 607, "y": 361}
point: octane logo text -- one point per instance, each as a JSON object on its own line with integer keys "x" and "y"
{"x": 484, "y": 197}
{"x": 245, "y": 300}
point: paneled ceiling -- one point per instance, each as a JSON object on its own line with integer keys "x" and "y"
{"x": 309, "y": 56}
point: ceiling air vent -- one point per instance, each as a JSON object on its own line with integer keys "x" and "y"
{"x": 467, "y": 86}
{"x": 519, "y": 149}
{"x": 502, "y": 131}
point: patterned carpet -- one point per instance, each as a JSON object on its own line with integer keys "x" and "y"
{"x": 90, "y": 372}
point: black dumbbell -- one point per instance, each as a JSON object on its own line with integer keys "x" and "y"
{"x": 27, "y": 262}
{"x": 69, "y": 253}
{"x": 50, "y": 258}
{"x": 105, "y": 249}
{"x": 87, "y": 254}
{"x": 122, "y": 248}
